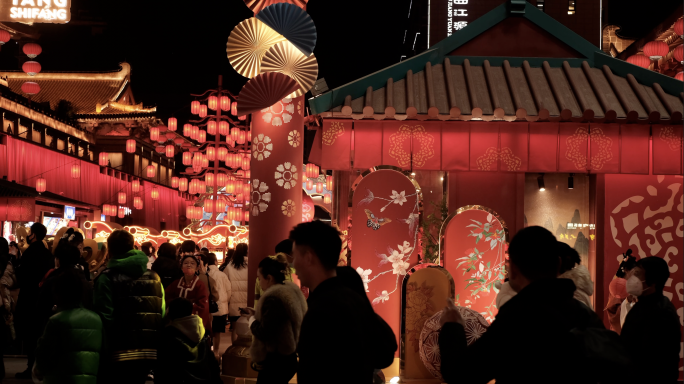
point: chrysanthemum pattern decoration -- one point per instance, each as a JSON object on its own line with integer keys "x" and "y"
{"x": 422, "y": 143}
{"x": 261, "y": 147}
{"x": 602, "y": 148}
{"x": 294, "y": 138}
{"x": 331, "y": 134}
{"x": 279, "y": 113}
{"x": 289, "y": 208}
{"x": 260, "y": 197}
{"x": 492, "y": 155}
{"x": 577, "y": 148}
{"x": 673, "y": 140}
{"x": 286, "y": 175}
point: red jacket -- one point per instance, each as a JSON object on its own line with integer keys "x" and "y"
{"x": 197, "y": 293}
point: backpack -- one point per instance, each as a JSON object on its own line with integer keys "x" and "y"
{"x": 603, "y": 357}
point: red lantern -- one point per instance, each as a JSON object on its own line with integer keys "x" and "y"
{"x": 5, "y": 37}
{"x": 178, "y": 140}
{"x": 170, "y": 136}
{"x": 679, "y": 53}
{"x": 203, "y": 111}
{"x": 195, "y": 107}
{"x": 41, "y": 184}
{"x": 183, "y": 184}
{"x": 187, "y": 130}
{"x": 233, "y": 108}
{"x": 329, "y": 183}
{"x": 230, "y": 142}
{"x": 679, "y": 76}
{"x": 187, "y": 158}
{"x": 122, "y": 198}
{"x": 122, "y": 212}
{"x": 130, "y": 146}
{"x": 103, "y": 159}
{"x": 249, "y": 136}
{"x": 309, "y": 184}
{"x": 174, "y": 182}
{"x": 193, "y": 187}
{"x": 160, "y": 149}
{"x": 202, "y": 137}
{"x": 242, "y": 137}
{"x": 154, "y": 134}
{"x": 246, "y": 214}
{"x": 135, "y": 185}
{"x": 230, "y": 187}
{"x": 312, "y": 171}
{"x": 151, "y": 171}
{"x": 202, "y": 186}
{"x": 137, "y": 202}
{"x": 655, "y": 50}
{"x": 32, "y": 50}
{"x": 205, "y": 161}
{"x": 319, "y": 187}
{"x": 155, "y": 193}
{"x": 245, "y": 163}
{"x": 221, "y": 179}
{"x": 30, "y": 88}
{"x": 639, "y": 60}
{"x": 245, "y": 190}
{"x": 211, "y": 153}
{"x": 304, "y": 178}
{"x": 195, "y": 132}
{"x": 75, "y": 171}
{"x": 679, "y": 28}
{"x": 189, "y": 212}
{"x": 234, "y": 133}
{"x": 222, "y": 153}
{"x": 211, "y": 127}
{"x": 209, "y": 206}
{"x": 31, "y": 68}
{"x": 212, "y": 102}
{"x": 173, "y": 124}
{"x": 223, "y": 128}
{"x": 247, "y": 175}
{"x": 242, "y": 118}
{"x": 225, "y": 103}
{"x": 209, "y": 178}
{"x": 170, "y": 151}
{"x": 326, "y": 198}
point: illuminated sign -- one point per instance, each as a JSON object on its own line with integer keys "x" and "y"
{"x": 69, "y": 212}
{"x": 445, "y": 17}
{"x": 35, "y": 11}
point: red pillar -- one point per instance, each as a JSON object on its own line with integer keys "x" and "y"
{"x": 276, "y": 185}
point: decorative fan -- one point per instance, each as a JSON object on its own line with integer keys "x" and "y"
{"x": 285, "y": 58}
{"x": 263, "y": 91}
{"x": 257, "y": 5}
{"x": 247, "y": 44}
{"x": 293, "y": 23}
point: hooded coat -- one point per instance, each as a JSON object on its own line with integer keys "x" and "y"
{"x": 239, "y": 281}
{"x": 585, "y": 287}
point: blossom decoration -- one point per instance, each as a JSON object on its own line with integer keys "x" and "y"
{"x": 288, "y": 208}
{"x": 279, "y": 113}
{"x": 261, "y": 147}
{"x": 382, "y": 297}
{"x": 286, "y": 175}
{"x": 294, "y": 138}
{"x": 364, "y": 276}
{"x": 260, "y": 196}
{"x": 398, "y": 198}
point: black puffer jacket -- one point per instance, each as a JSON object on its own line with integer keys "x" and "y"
{"x": 168, "y": 270}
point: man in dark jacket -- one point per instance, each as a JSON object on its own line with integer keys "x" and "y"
{"x": 531, "y": 332}
{"x": 130, "y": 301}
{"x": 166, "y": 265}
{"x": 33, "y": 266}
{"x": 337, "y": 343}
{"x": 651, "y": 332}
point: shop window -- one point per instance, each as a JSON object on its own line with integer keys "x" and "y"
{"x": 136, "y": 165}
{"x": 563, "y": 211}
{"x": 540, "y": 5}
{"x": 116, "y": 160}
{"x": 571, "y": 7}
{"x": 48, "y": 140}
{"x": 60, "y": 144}
{"x": 162, "y": 176}
{"x": 145, "y": 163}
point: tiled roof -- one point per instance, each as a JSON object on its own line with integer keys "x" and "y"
{"x": 83, "y": 90}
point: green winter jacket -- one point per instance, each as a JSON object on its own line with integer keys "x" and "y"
{"x": 69, "y": 351}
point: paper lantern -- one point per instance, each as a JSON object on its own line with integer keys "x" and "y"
{"x": 205, "y": 161}
{"x": 245, "y": 190}
{"x": 174, "y": 182}
{"x": 209, "y": 206}
{"x": 312, "y": 171}
{"x": 195, "y": 132}
{"x": 223, "y": 128}
{"x": 245, "y": 163}
{"x": 212, "y": 102}
{"x": 249, "y": 135}
{"x": 135, "y": 185}
{"x": 105, "y": 209}
{"x": 230, "y": 187}
{"x": 233, "y": 108}
{"x": 151, "y": 171}
{"x": 246, "y": 214}
{"x": 31, "y": 68}
{"x": 679, "y": 28}
{"x": 193, "y": 187}
{"x": 32, "y": 50}
{"x": 285, "y": 58}
{"x": 203, "y": 111}
{"x": 122, "y": 213}
{"x": 187, "y": 158}
{"x": 309, "y": 184}
{"x": 183, "y": 184}
{"x": 202, "y": 137}
{"x": 154, "y": 134}
{"x": 222, "y": 153}
{"x": 326, "y": 198}
{"x": 41, "y": 184}
{"x": 75, "y": 171}
{"x": 211, "y": 127}
{"x": 639, "y": 60}
{"x": 178, "y": 140}
{"x": 304, "y": 178}
{"x": 103, "y": 159}
{"x": 154, "y": 193}
{"x": 173, "y": 124}
{"x": 202, "y": 186}
{"x": 170, "y": 151}
{"x": 171, "y": 136}
{"x": 160, "y": 149}
{"x": 209, "y": 178}
{"x": 187, "y": 130}
{"x": 655, "y": 50}
{"x": 679, "y": 76}
{"x": 4, "y": 37}
{"x": 234, "y": 133}
{"x": 246, "y": 46}
{"x": 230, "y": 142}
{"x": 195, "y": 107}
{"x": 189, "y": 212}
{"x": 221, "y": 179}
{"x": 211, "y": 153}
{"x": 242, "y": 137}
{"x": 329, "y": 183}
{"x": 122, "y": 198}
{"x": 130, "y": 146}
{"x": 137, "y": 202}
{"x": 319, "y": 187}
{"x": 263, "y": 91}
{"x": 678, "y": 53}
{"x": 30, "y": 88}
{"x": 224, "y": 101}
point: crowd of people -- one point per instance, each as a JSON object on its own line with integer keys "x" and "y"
{"x": 159, "y": 314}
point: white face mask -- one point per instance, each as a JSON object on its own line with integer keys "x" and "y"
{"x": 635, "y": 286}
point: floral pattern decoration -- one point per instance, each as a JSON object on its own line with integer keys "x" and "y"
{"x": 261, "y": 147}
{"x": 419, "y": 308}
{"x": 294, "y": 138}
{"x": 288, "y": 208}
{"x": 331, "y": 133}
{"x": 279, "y": 113}
{"x": 286, "y": 175}
{"x": 260, "y": 196}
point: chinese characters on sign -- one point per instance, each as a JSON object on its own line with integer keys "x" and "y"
{"x": 35, "y": 11}
{"x": 456, "y": 12}
{"x": 580, "y": 226}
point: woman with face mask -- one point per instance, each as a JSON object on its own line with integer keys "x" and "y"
{"x": 192, "y": 288}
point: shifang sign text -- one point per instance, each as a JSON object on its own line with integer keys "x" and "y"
{"x": 35, "y": 11}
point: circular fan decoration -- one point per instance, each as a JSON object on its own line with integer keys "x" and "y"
{"x": 475, "y": 326}
{"x": 247, "y": 44}
{"x": 257, "y": 5}
{"x": 263, "y": 91}
{"x": 286, "y": 59}
{"x": 293, "y": 23}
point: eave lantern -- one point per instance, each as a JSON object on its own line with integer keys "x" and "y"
{"x": 173, "y": 124}
{"x": 309, "y": 185}
{"x": 32, "y": 50}
{"x": 655, "y": 50}
{"x": 211, "y": 127}
{"x": 329, "y": 183}
{"x": 212, "y": 102}
{"x": 151, "y": 171}
{"x": 4, "y": 37}
{"x": 312, "y": 171}
{"x": 170, "y": 151}
{"x": 103, "y": 159}
{"x": 203, "y": 111}
{"x": 223, "y": 128}
{"x": 31, "y": 68}
{"x": 154, "y": 134}
{"x": 195, "y": 107}
{"x": 122, "y": 198}
{"x": 183, "y": 184}
{"x": 135, "y": 185}
{"x": 155, "y": 193}
{"x": 174, "y": 182}
{"x": 639, "y": 60}
{"x": 130, "y": 146}
{"x": 224, "y": 101}
{"x": 187, "y": 158}
{"x": 679, "y": 28}
{"x": 75, "y": 171}
{"x": 678, "y": 53}
{"x": 30, "y": 88}
{"x": 41, "y": 185}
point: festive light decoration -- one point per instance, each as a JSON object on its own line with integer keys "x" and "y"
{"x": 326, "y": 198}
{"x": 137, "y": 202}
{"x": 222, "y": 153}
{"x": 154, "y": 134}
{"x": 178, "y": 140}
{"x": 309, "y": 184}
{"x": 329, "y": 183}
{"x": 245, "y": 163}
{"x": 230, "y": 187}
{"x": 234, "y": 133}
{"x": 224, "y": 101}
{"x": 242, "y": 137}
{"x": 103, "y": 159}
{"x": 170, "y": 151}
{"x": 122, "y": 198}
{"x": 173, "y": 124}
{"x": 209, "y": 178}
{"x": 211, "y": 127}
{"x": 170, "y": 136}
{"x": 160, "y": 149}
{"x": 312, "y": 171}
{"x": 154, "y": 193}
{"x": 183, "y": 184}
{"x": 31, "y": 68}
{"x": 195, "y": 132}
{"x": 319, "y": 187}
{"x": 679, "y": 28}
{"x": 195, "y": 107}
{"x": 75, "y": 171}
{"x": 639, "y": 60}
{"x": 655, "y": 50}
{"x": 202, "y": 137}
{"x": 212, "y": 102}
{"x": 151, "y": 171}
{"x": 135, "y": 186}
{"x": 230, "y": 142}
{"x": 246, "y": 214}
{"x": 211, "y": 153}
{"x": 30, "y": 88}
{"x": 4, "y": 37}
{"x": 678, "y": 53}
{"x": 221, "y": 179}
{"x": 32, "y": 50}
{"x": 205, "y": 161}
{"x": 174, "y": 182}
{"x": 187, "y": 130}
{"x": 245, "y": 190}
{"x": 187, "y": 158}
{"x": 130, "y": 146}
{"x": 106, "y": 210}
{"x": 203, "y": 111}
{"x": 41, "y": 185}
{"x": 122, "y": 213}
{"x": 233, "y": 108}
{"x": 223, "y": 128}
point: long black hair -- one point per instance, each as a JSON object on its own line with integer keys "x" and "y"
{"x": 238, "y": 259}
{"x": 67, "y": 253}
{"x": 227, "y": 258}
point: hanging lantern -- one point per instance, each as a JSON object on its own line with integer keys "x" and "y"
{"x": 5, "y": 37}
{"x": 171, "y": 136}
{"x": 151, "y": 171}
{"x": 212, "y": 102}
{"x": 247, "y": 175}
{"x": 304, "y": 178}
{"x": 222, "y": 152}
{"x": 230, "y": 142}
{"x": 680, "y": 76}
{"x": 75, "y": 171}
{"x": 160, "y": 149}
{"x": 122, "y": 213}
{"x": 105, "y": 209}
{"x": 211, "y": 153}
{"x": 234, "y": 133}
{"x": 130, "y": 146}
{"x": 170, "y": 151}
{"x": 183, "y": 184}
{"x": 230, "y": 187}
{"x": 245, "y": 163}
{"x": 678, "y": 53}
{"x": 326, "y": 198}
{"x": 309, "y": 185}
{"x": 193, "y": 187}
{"x": 221, "y": 179}
{"x": 202, "y": 186}
{"x": 155, "y": 193}
{"x": 187, "y": 158}
{"x": 189, "y": 212}
{"x": 211, "y": 127}
{"x": 245, "y": 190}
{"x": 242, "y": 137}
{"x": 137, "y": 202}
{"x": 31, "y": 68}
{"x": 312, "y": 171}
{"x": 329, "y": 183}
{"x": 135, "y": 185}
{"x": 209, "y": 206}
{"x": 249, "y": 135}
{"x": 224, "y": 101}
{"x": 679, "y": 28}
{"x": 41, "y": 184}
{"x": 178, "y": 140}
{"x": 203, "y": 111}
{"x": 195, "y": 107}
{"x": 233, "y": 108}
{"x": 195, "y": 132}
{"x": 205, "y": 161}
{"x": 30, "y": 88}
{"x": 223, "y": 128}
{"x": 174, "y": 182}
{"x": 32, "y": 50}
{"x": 173, "y": 124}
{"x": 154, "y": 134}
{"x": 238, "y": 197}
{"x": 639, "y": 60}
{"x": 103, "y": 159}
{"x": 209, "y": 178}
{"x": 122, "y": 198}
{"x": 187, "y": 130}
{"x": 655, "y": 50}
{"x": 246, "y": 214}
{"x": 202, "y": 137}
{"x": 319, "y": 187}
{"x": 242, "y": 118}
